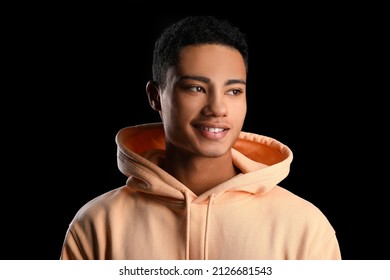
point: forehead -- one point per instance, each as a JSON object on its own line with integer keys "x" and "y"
{"x": 211, "y": 60}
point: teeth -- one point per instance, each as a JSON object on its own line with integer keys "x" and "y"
{"x": 212, "y": 129}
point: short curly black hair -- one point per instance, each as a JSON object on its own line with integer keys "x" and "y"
{"x": 194, "y": 30}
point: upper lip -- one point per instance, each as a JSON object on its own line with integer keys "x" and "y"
{"x": 211, "y": 125}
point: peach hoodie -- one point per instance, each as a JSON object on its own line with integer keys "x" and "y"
{"x": 154, "y": 216}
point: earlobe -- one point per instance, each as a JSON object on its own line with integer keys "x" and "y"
{"x": 153, "y": 92}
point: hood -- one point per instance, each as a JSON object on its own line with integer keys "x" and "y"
{"x": 264, "y": 163}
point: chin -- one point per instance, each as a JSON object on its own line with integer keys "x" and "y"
{"x": 213, "y": 153}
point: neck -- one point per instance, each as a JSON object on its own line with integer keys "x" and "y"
{"x": 200, "y": 174}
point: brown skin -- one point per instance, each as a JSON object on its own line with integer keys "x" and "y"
{"x": 206, "y": 89}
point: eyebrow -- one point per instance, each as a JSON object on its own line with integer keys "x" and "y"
{"x": 207, "y": 80}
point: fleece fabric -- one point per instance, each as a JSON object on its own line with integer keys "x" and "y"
{"x": 154, "y": 216}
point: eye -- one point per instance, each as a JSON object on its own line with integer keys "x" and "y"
{"x": 234, "y": 92}
{"x": 196, "y": 89}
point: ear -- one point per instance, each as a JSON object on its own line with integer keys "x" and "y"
{"x": 153, "y": 92}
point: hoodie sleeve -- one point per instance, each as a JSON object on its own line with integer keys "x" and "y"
{"x": 326, "y": 248}
{"x": 72, "y": 248}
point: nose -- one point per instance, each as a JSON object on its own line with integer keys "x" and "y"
{"x": 215, "y": 106}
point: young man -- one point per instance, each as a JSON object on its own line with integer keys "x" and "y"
{"x": 198, "y": 187}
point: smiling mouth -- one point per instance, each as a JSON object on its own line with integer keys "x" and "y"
{"x": 211, "y": 129}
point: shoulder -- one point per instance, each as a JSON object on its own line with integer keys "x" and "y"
{"x": 103, "y": 205}
{"x": 296, "y": 207}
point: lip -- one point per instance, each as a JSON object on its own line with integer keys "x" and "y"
{"x": 212, "y": 131}
{"x": 212, "y": 125}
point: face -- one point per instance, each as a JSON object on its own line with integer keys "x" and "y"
{"x": 203, "y": 106}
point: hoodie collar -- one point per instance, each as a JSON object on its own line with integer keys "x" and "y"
{"x": 264, "y": 163}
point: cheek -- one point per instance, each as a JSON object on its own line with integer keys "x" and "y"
{"x": 176, "y": 111}
{"x": 238, "y": 111}
{"x": 167, "y": 108}
{"x": 185, "y": 107}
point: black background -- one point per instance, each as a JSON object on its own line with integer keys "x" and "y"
{"x": 76, "y": 75}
